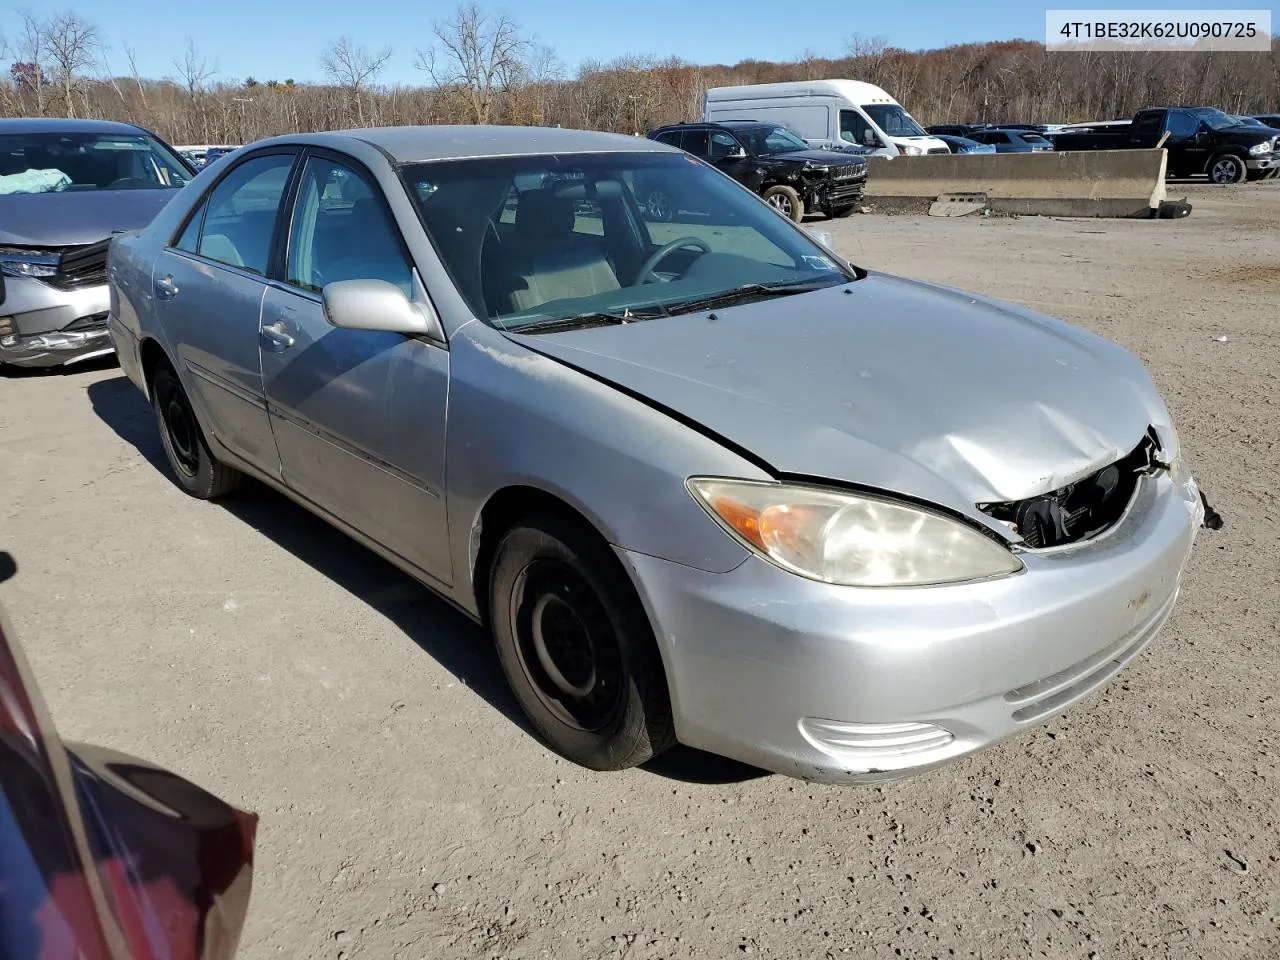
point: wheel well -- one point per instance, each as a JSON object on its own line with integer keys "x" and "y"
{"x": 504, "y": 509}
{"x": 152, "y": 355}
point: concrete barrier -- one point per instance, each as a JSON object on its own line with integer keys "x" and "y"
{"x": 1085, "y": 183}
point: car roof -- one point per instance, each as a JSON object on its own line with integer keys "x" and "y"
{"x": 57, "y": 125}
{"x": 417, "y": 144}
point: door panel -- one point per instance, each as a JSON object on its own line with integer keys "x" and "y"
{"x": 211, "y": 316}
{"x": 209, "y": 290}
{"x": 359, "y": 418}
{"x": 359, "y": 415}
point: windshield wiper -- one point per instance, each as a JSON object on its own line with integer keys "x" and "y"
{"x": 580, "y": 321}
{"x": 748, "y": 291}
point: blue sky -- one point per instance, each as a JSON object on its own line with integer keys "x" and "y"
{"x": 283, "y": 38}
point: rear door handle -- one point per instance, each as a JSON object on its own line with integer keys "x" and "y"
{"x": 166, "y": 289}
{"x": 277, "y": 336}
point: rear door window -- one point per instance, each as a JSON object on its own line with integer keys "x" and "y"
{"x": 1149, "y": 124}
{"x": 242, "y": 211}
{"x": 695, "y": 142}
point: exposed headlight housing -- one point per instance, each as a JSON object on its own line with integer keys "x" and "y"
{"x": 851, "y": 539}
{"x": 910, "y": 150}
{"x": 27, "y": 265}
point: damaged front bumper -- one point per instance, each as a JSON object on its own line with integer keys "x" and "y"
{"x": 845, "y": 684}
{"x": 58, "y": 347}
{"x": 42, "y": 325}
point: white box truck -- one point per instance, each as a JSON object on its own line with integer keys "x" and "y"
{"x": 828, "y": 114}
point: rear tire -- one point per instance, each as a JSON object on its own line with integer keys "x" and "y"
{"x": 576, "y": 646}
{"x": 1226, "y": 168}
{"x": 786, "y": 201}
{"x": 192, "y": 463}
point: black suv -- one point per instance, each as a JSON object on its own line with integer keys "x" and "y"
{"x": 770, "y": 160}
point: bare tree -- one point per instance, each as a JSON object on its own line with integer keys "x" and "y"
{"x": 71, "y": 44}
{"x": 29, "y": 49}
{"x": 111, "y": 78}
{"x": 132, "y": 56}
{"x": 869, "y": 55}
{"x": 353, "y": 68}
{"x": 194, "y": 70}
{"x": 479, "y": 53}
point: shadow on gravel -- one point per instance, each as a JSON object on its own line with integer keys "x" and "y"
{"x": 456, "y": 643}
{"x": 10, "y": 372}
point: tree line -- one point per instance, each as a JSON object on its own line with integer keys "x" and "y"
{"x": 483, "y": 67}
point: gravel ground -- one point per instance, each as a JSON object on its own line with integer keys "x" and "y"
{"x": 407, "y": 812}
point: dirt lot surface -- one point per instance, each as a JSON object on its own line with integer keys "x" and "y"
{"x": 406, "y": 811}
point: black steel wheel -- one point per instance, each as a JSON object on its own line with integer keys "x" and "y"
{"x": 194, "y": 466}
{"x": 576, "y": 646}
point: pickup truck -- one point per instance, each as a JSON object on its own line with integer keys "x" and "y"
{"x": 1200, "y": 141}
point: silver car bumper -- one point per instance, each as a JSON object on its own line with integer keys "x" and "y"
{"x": 43, "y": 326}
{"x": 840, "y": 684}
{"x": 1268, "y": 162}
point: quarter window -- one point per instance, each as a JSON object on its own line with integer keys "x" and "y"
{"x": 190, "y": 239}
{"x": 242, "y": 213}
{"x": 341, "y": 231}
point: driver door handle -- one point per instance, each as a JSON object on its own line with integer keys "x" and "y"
{"x": 276, "y": 336}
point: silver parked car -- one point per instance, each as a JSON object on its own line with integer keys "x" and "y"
{"x": 703, "y": 481}
{"x": 65, "y": 187}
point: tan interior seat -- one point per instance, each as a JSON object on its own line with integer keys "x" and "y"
{"x": 550, "y": 261}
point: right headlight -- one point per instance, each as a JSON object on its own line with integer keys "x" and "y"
{"x": 851, "y": 539}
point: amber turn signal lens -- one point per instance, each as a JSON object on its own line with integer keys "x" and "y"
{"x": 743, "y": 519}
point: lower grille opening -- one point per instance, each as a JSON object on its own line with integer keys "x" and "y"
{"x": 1082, "y": 510}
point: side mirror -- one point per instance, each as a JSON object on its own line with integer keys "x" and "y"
{"x": 737, "y": 153}
{"x": 378, "y": 305}
{"x": 870, "y": 139}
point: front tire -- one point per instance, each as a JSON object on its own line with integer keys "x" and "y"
{"x": 841, "y": 212}
{"x": 786, "y": 201}
{"x": 193, "y": 465}
{"x": 576, "y": 646}
{"x": 1226, "y": 168}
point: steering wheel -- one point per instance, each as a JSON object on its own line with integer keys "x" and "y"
{"x": 646, "y": 274}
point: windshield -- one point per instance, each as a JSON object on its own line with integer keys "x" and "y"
{"x": 530, "y": 240}
{"x": 893, "y": 120}
{"x": 765, "y": 141}
{"x": 58, "y": 162}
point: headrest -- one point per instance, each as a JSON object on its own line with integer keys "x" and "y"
{"x": 540, "y": 213}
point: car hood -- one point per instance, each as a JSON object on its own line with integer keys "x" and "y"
{"x": 889, "y": 384}
{"x": 816, "y": 156}
{"x": 76, "y": 217}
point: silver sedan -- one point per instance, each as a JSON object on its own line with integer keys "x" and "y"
{"x": 701, "y": 479}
